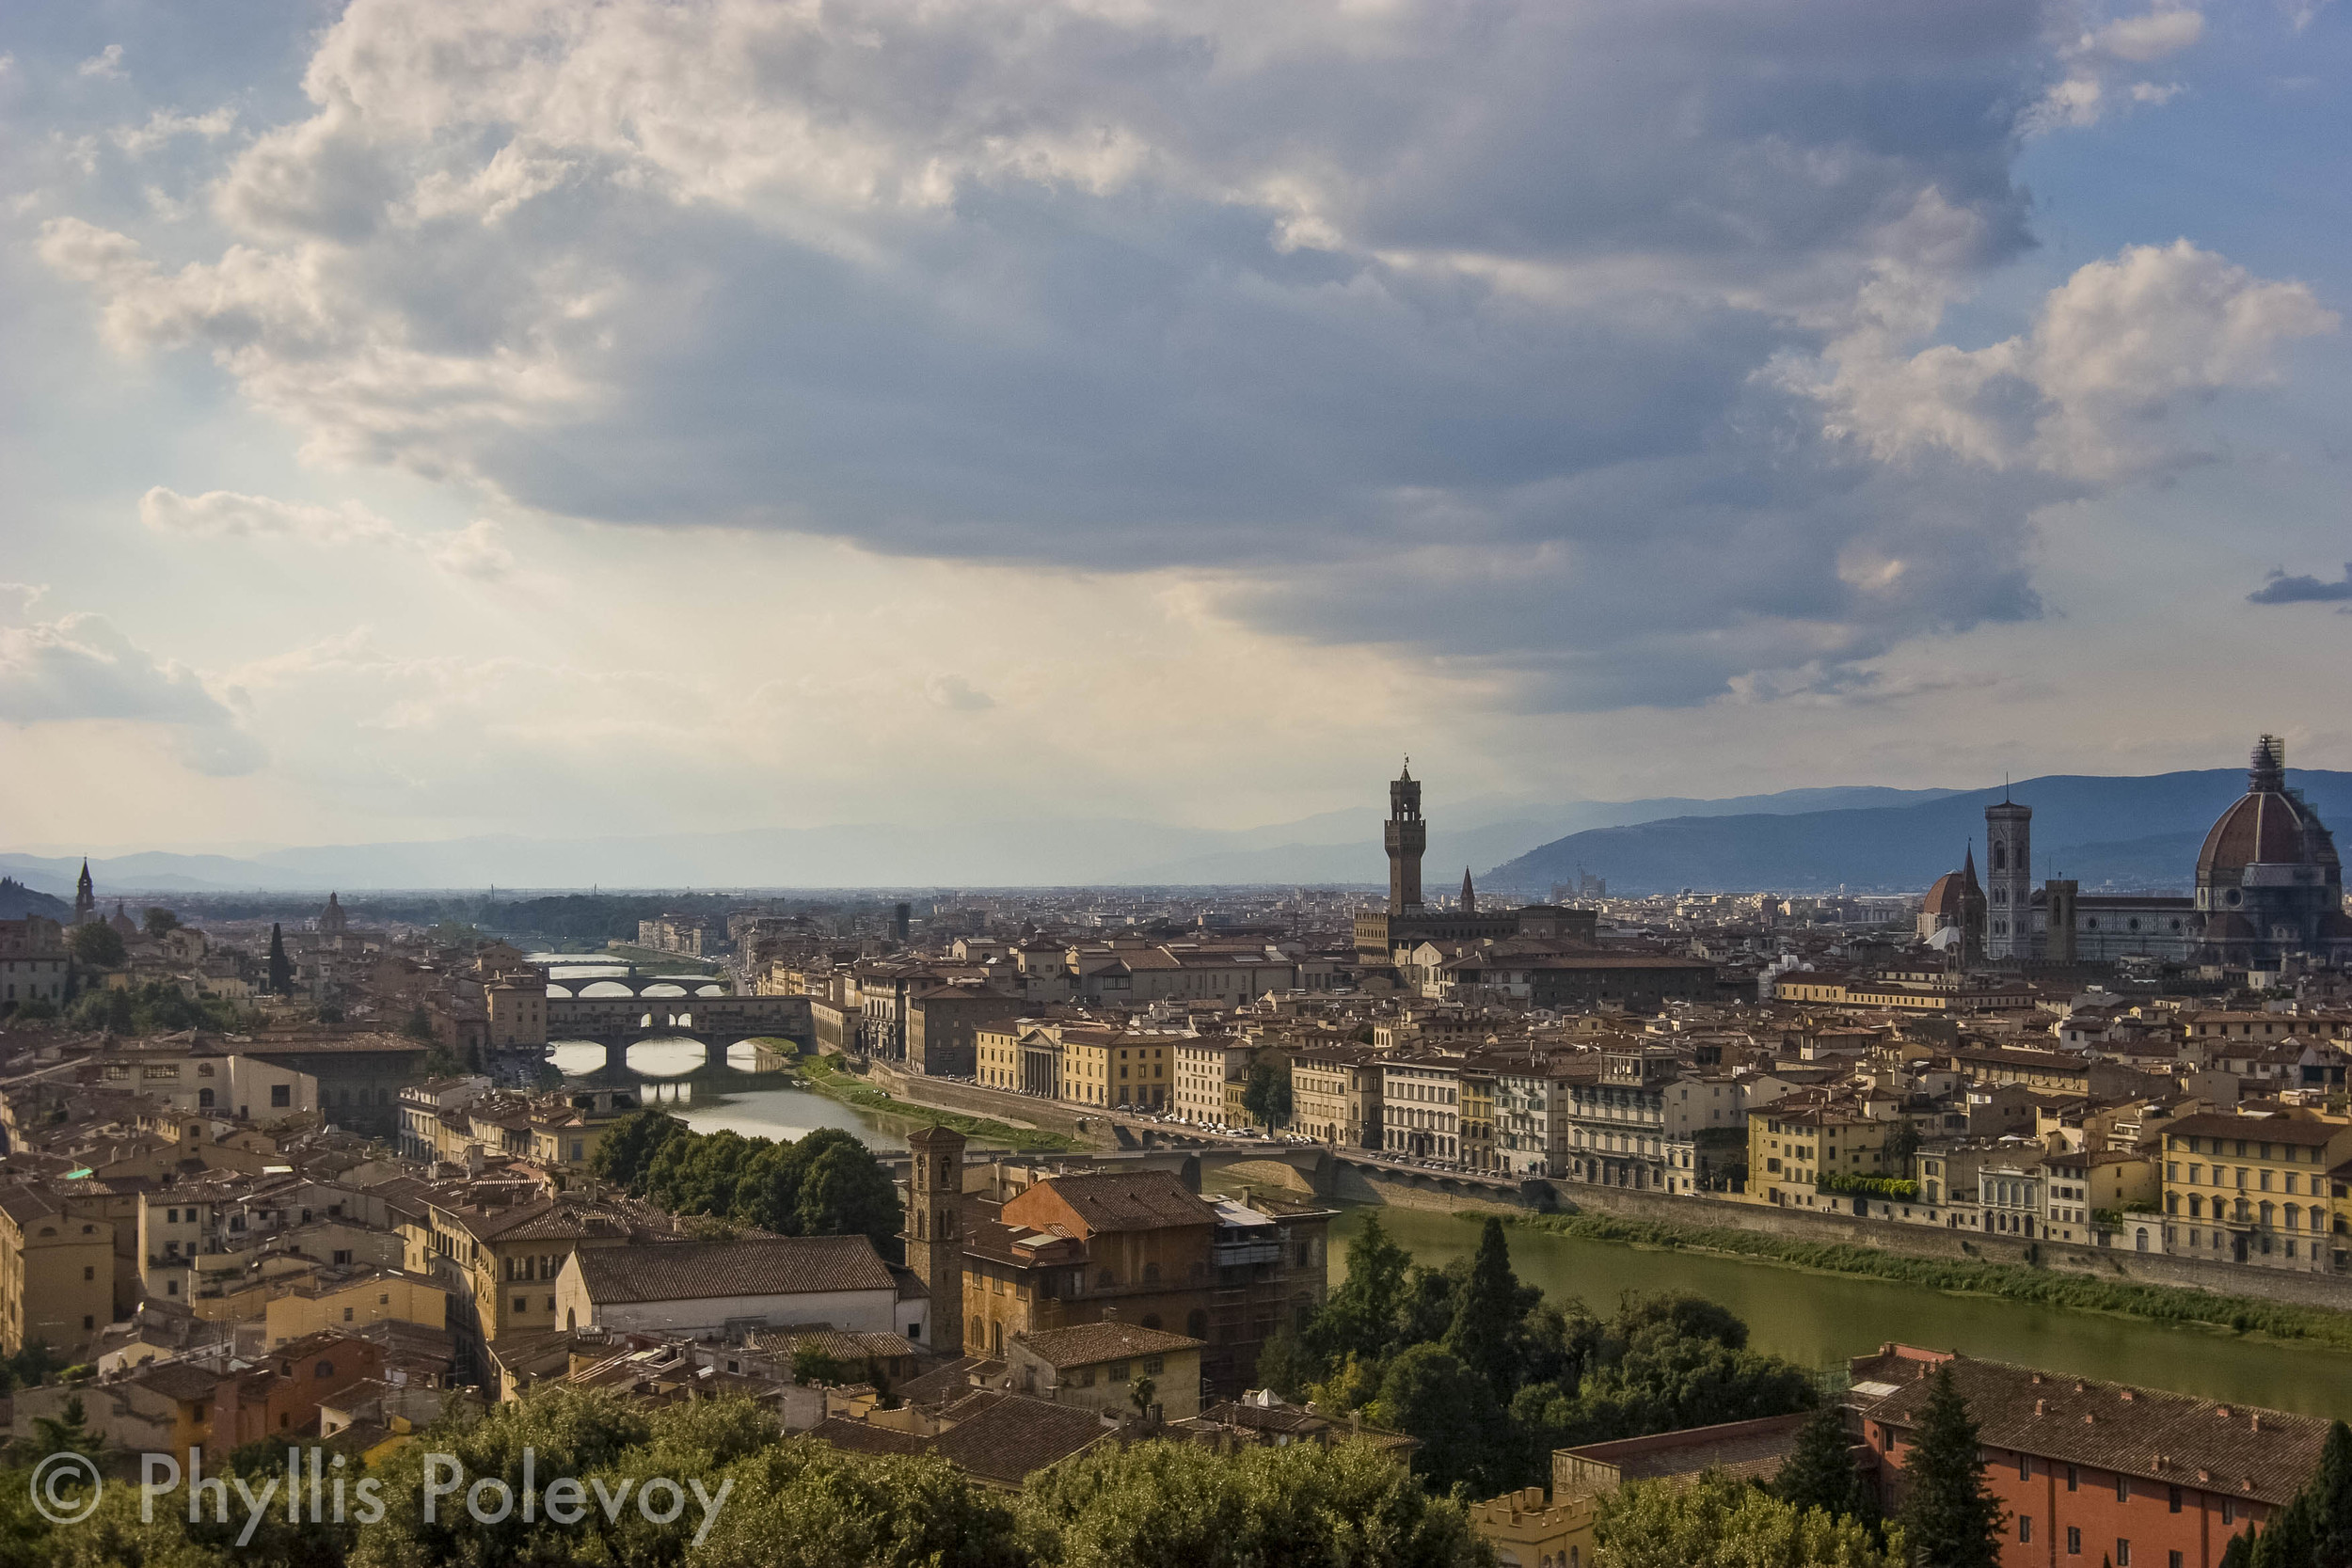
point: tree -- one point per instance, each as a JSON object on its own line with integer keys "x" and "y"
{"x": 1902, "y": 1142}
{"x": 1360, "y": 1316}
{"x": 1950, "y": 1517}
{"x": 625, "y": 1154}
{"x": 1178, "y": 1505}
{"x": 1285, "y": 1365}
{"x": 1484, "y": 1333}
{"x": 1719, "y": 1522}
{"x": 1819, "y": 1471}
{"x": 160, "y": 921}
{"x": 1431, "y": 1395}
{"x": 419, "y": 1024}
{"x": 1268, "y": 1095}
{"x": 97, "y": 945}
{"x": 847, "y": 1193}
{"x": 2239, "y": 1553}
{"x": 2331, "y": 1494}
{"x": 1141, "y": 1394}
{"x": 2291, "y": 1540}
{"x": 66, "y": 1431}
{"x": 281, "y": 966}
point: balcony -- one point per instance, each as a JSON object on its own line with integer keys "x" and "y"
{"x": 1227, "y": 1255}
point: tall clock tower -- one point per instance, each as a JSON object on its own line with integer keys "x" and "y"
{"x": 934, "y": 1232}
{"x": 1407, "y": 835}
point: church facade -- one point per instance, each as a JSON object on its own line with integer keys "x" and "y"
{"x": 2269, "y": 886}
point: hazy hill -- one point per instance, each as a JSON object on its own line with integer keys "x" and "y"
{"x": 16, "y": 901}
{"x": 2135, "y": 832}
{"x": 1333, "y": 846}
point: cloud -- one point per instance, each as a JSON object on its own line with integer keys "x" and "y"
{"x": 1401, "y": 325}
{"x": 107, "y": 63}
{"x": 2093, "y": 79}
{"x": 82, "y": 667}
{"x": 2165, "y": 30}
{"x": 474, "y": 550}
{"x": 164, "y": 124}
{"x": 2281, "y": 589}
{"x": 2090, "y": 393}
{"x": 957, "y": 694}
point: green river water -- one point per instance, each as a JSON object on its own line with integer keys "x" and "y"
{"x": 1819, "y": 1319}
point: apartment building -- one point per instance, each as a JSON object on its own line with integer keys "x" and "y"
{"x": 2255, "y": 1189}
{"x": 1335, "y": 1095}
{"x": 1420, "y": 1107}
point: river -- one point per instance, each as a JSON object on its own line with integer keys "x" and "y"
{"x": 1819, "y": 1319}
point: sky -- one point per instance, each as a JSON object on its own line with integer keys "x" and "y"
{"x": 425, "y": 418}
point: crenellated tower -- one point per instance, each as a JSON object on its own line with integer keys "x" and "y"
{"x": 1407, "y": 835}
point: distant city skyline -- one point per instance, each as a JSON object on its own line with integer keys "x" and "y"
{"x": 425, "y": 422}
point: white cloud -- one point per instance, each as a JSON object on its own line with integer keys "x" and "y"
{"x": 474, "y": 550}
{"x": 107, "y": 63}
{"x": 81, "y": 667}
{"x": 164, "y": 124}
{"x": 2165, "y": 30}
{"x": 2093, "y": 81}
{"x": 2090, "y": 394}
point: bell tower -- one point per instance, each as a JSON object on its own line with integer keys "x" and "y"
{"x": 1407, "y": 835}
{"x": 85, "y": 899}
{"x": 2009, "y": 881}
{"x": 934, "y": 1232}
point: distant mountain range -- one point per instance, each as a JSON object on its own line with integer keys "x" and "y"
{"x": 2115, "y": 832}
{"x": 1340, "y": 848}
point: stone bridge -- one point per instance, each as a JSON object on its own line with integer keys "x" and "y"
{"x": 636, "y": 984}
{"x": 719, "y": 1020}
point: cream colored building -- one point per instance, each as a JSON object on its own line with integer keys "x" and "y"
{"x": 56, "y": 1274}
{"x": 349, "y": 1304}
{"x": 1204, "y": 1064}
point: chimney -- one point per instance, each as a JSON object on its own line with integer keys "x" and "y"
{"x": 2257, "y": 1421}
{"x": 2040, "y": 1407}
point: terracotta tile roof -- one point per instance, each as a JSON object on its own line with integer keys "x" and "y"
{"x": 2175, "y": 1439}
{"x": 1014, "y": 1436}
{"x": 1090, "y": 1344}
{"x": 857, "y": 1437}
{"x": 692, "y": 1271}
{"x": 1130, "y": 1200}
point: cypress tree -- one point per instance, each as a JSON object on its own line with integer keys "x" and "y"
{"x": 2290, "y": 1540}
{"x": 1484, "y": 1333}
{"x": 2239, "y": 1553}
{"x": 281, "y": 967}
{"x": 2331, "y": 1495}
{"x": 1950, "y": 1517}
{"x": 1821, "y": 1471}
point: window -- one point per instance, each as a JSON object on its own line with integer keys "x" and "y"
{"x": 2172, "y": 1498}
{"x": 522, "y": 1303}
{"x": 326, "y": 1369}
{"x": 88, "y": 1272}
{"x": 2024, "y": 1528}
{"x": 2123, "y": 1489}
{"x": 346, "y": 1314}
{"x": 2123, "y": 1553}
{"x": 282, "y": 1094}
{"x": 2074, "y": 1541}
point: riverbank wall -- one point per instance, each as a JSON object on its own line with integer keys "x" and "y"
{"x": 1909, "y": 1241}
{"x": 1341, "y": 1179}
{"x": 972, "y": 1100}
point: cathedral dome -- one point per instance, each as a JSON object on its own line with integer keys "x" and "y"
{"x": 1945, "y": 897}
{"x": 2265, "y": 826}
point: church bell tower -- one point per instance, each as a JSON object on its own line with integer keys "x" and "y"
{"x": 1407, "y": 836}
{"x": 2009, "y": 881}
{"x": 934, "y": 1232}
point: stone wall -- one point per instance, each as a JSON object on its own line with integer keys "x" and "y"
{"x": 1911, "y": 1241}
{"x": 970, "y": 1099}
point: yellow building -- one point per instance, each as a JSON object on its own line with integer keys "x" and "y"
{"x": 56, "y": 1274}
{"x": 1793, "y": 1149}
{"x": 348, "y": 1305}
{"x": 1527, "y": 1530}
{"x": 2254, "y": 1189}
{"x": 1478, "y": 1120}
{"x": 1335, "y": 1095}
{"x": 518, "y": 1012}
{"x": 1113, "y": 1069}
